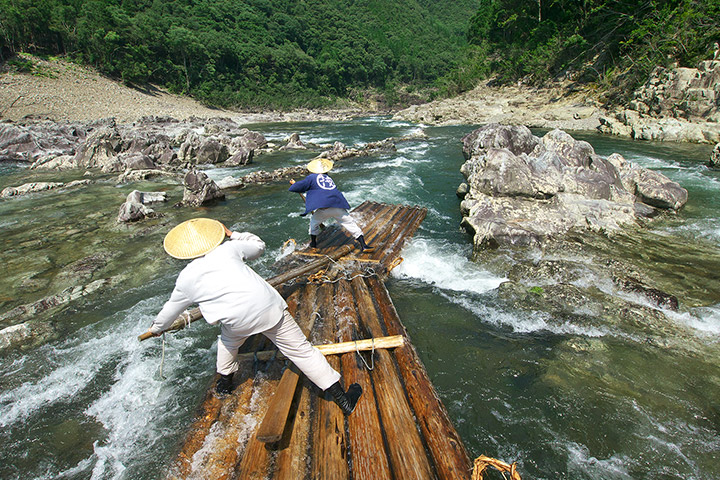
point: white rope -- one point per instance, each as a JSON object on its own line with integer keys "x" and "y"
{"x": 162, "y": 358}
{"x": 372, "y": 355}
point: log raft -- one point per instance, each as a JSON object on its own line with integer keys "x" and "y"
{"x": 399, "y": 429}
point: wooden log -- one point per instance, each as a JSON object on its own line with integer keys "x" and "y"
{"x": 341, "y": 236}
{"x": 330, "y": 443}
{"x": 400, "y": 217}
{"x": 207, "y": 415}
{"x": 406, "y": 450}
{"x": 396, "y": 239}
{"x": 447, "y": 449}
{"x": 295, "y": 441}
{"x": 369, "y": 457}
{"x": 404, "y": 234}
{"x": 255, "y": 462}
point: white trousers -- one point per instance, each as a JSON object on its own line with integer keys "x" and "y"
{"x": 291, "y": 341}
{"x": 340, "y": 215}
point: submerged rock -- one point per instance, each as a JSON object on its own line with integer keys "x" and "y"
{"x": 523, "y": 190}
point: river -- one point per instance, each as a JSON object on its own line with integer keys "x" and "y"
{"x": 564, "y": 398}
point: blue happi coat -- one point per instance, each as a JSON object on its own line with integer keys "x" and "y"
{"x": 321, "y": 192}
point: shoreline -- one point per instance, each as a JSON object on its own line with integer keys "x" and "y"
{"x": 65, "y": 92}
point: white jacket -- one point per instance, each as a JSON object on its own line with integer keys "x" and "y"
{"x": 226, "y": 289}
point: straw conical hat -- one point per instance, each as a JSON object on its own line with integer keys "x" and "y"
{"x": 194, "y": 238}
{"x": 320, "y": 165}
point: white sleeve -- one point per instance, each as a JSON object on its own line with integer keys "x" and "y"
{"x": 248, "y": 244}
{"x": 175, "y": 306}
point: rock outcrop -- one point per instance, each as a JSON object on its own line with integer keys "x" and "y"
{"x": 522, "y": 189}
{"x": 33, "y": 187}
{"x": 714, "y": 161}
{"x": 199, "y": 190}
{"x": 135, "y": 207}
{"x": 675, "y": 104}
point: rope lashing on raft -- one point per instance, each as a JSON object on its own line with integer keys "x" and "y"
{"x": 395, "y": 263}
{"x": 372, "y": 355}
{"x": 321, "y": 277}
{"x": 289, "y": 241}
{"x": 482, "y": 462}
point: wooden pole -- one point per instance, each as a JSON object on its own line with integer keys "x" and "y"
{"x": 364, "y": 345}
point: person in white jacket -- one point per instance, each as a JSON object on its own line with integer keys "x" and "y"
{"x": 232, "y": 294}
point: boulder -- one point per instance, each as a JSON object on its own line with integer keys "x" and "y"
{"x": 521, "y": 189}
{"x": 675, "y": 104}
{"x": 28, "y": 143}
{"x": 714, "y": 161}
{"x": 293, "y": 142}
{"x": 33, "y": 187}
{"x": 199, "y": 190}
{"x": 135, "y": 206}
{"x": 100, "y": 150}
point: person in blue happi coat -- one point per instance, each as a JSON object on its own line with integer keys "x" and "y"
{"x": 325, "y": 201}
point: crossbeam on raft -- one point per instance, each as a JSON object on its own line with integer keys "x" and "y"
{"x": 391, "y": 341}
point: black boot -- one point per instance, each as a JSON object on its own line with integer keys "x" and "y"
{"x": 313, "y": 241}
{"x": 345, "y": 400}
{"x": 364, "y": 247}
{"x": 224, "y": 384}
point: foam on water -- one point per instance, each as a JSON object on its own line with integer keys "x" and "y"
{"x": 584, "y": 465}
{"x": 136, "y": 405}
{"x": 704, "y": 320}
{"x": 442, "y": 266}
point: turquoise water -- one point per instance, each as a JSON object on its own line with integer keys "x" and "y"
{"x": 582, "y": 397}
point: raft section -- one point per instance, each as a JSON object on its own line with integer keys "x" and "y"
{"x": 278, "y": 425}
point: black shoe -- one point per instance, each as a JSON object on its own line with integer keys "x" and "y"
{"x": 224, "y": 385}
{"x": 364, "y": 247}
{"x": 313, "y": 241}
{"x": 345, "y": 400}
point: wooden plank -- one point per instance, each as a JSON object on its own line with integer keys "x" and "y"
{"x": 368, "y": 453}
{"x": 295, "y": 441}
{"x": 293, "y": 449}
{"x": 448, "y": 451}
{"x": 273, "y": 424}
{"x": 330, "y": 443}
{"x": 406, "y": 451}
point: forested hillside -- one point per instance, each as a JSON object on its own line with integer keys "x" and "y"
{"x": 251, "y": 53}
{"x": 613, "y": 44}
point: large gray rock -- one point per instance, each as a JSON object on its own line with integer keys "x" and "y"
{"x": 521, "y": 189}
{"x": 199, "y": 190}
{"x": 135, "y": 207}
{"x": 100, "y": 149}
{"x": 715, "y": 157}
{"x": 34, "y": 187}
{"x": 28, "y": 143}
